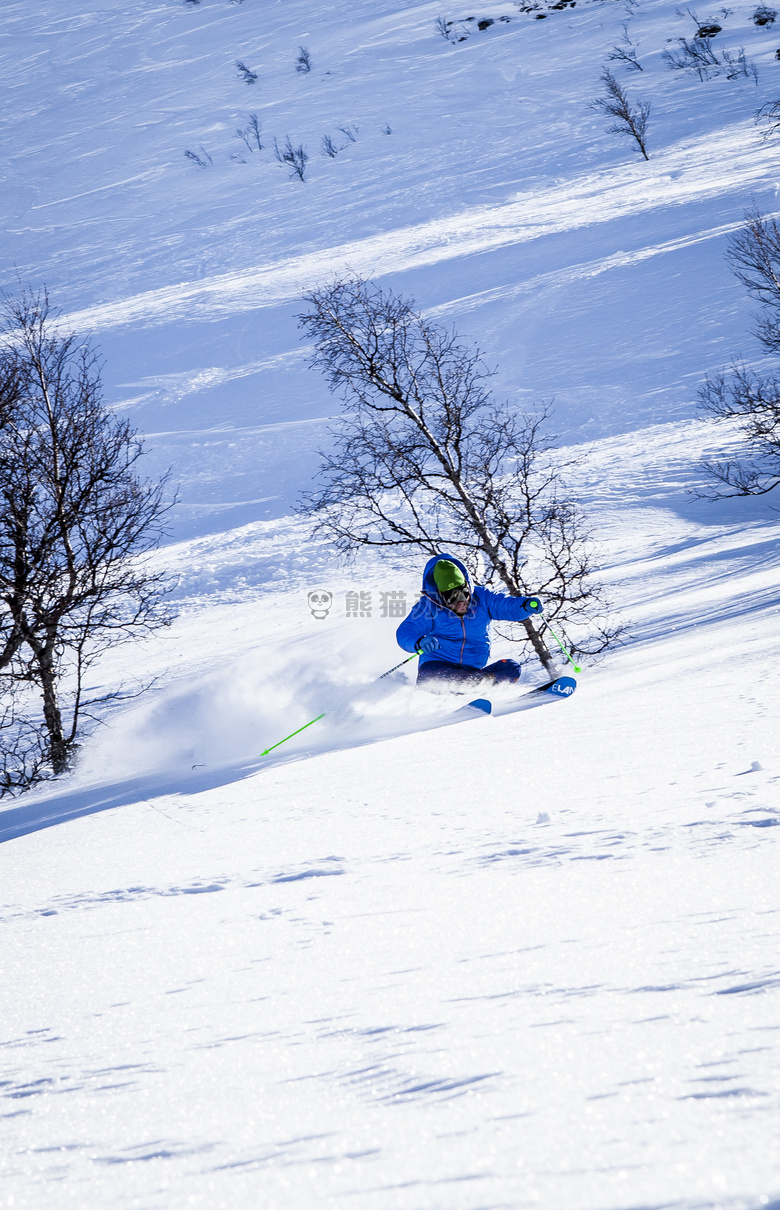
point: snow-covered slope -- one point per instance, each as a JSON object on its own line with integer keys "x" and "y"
{"x": 524, "y": 960}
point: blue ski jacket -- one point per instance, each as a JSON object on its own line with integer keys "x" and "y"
{"x": 462, "y": 640}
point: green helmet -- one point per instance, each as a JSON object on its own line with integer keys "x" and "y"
{"x": 448, "y": 576}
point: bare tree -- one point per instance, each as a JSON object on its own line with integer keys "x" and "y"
{"x": 768, "y": 117}
{"x": 250, "y": 134}
{"x": 426, "y": 459}
{"x": 296, "y": 158}
{"x": 754, "y": 255}
{"x": 75, "y": 520}
{"x": 203, "y": 160}
{"x": 628, "y": 120}
{"x": 742, "y": 395}
{"x": 754, "y": 402}
{"x": 625, "y": 52}
{"x": 24, "y": 756}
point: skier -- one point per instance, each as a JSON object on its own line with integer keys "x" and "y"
{"x": 449, "y": 627}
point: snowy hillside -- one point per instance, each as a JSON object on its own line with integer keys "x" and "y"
{"x": 526, "y": 960}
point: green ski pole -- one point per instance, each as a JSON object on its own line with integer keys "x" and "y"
{"x": 560, "y": 644}
{"x": 292, "y": 733}
{"x": 319, "y": 716}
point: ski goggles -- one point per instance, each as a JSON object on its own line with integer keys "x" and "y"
{"x": 455, "y": 595}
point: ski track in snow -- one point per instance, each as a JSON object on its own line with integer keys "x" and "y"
{"x": 679, "y": 175}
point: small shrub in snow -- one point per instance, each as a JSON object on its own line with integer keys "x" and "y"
{"x": 203, "y": 160}
{"x": 698, "y": 54}
{"x": 709, "y": 28}
{"x": 303, "y": 63}
{"x": 443, "y": 27}
{"x": 296, "y": 158}
{"x": 629, "y": 120}
{"x": 246, "y": 73}
{"x": 351, "y": 132}
{"x": 625, "y": 52}
{"x": 387, "y": 128}
{"x": 764, "y": 15}
{"x": 694, "y": 54}
{"x": 250, "y": 135}
{"x": 329, "y": 147}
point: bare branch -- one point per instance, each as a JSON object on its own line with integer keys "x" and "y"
{"x": 754, "y": 255}
{"x": 754, "y": 402}
{"x": 625, "y": 52}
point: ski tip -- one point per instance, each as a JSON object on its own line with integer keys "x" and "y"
{"x": 481, "y": 703}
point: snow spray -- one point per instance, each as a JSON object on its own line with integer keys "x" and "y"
{"x": 319, "y": 716}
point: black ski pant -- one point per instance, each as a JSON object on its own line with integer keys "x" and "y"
{"x": 439, "y": 676}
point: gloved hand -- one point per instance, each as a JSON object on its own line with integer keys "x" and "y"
{"x": 427, "y": 643}
{"x": 533, "y": 605}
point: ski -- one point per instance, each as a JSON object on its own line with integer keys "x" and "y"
{"x": 476, "y": 709}
{"x": 480, "y": 707}
{"x": 561, "y": 687}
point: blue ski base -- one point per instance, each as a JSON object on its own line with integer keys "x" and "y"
{"x": 561, "y": 687}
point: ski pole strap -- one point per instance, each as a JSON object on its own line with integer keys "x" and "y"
{"x": 560, "y": 644}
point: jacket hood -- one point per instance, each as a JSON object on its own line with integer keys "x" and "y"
{"x": 428, "y": 582}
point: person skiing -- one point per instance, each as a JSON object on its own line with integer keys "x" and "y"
{"x": 449, "y": 627}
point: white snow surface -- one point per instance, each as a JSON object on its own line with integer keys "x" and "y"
{"x": 531, "y": 960}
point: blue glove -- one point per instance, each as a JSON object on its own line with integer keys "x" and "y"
{"x": 427, "y": 643}
{"x": 533, "y": 605}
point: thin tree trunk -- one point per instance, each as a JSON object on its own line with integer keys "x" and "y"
{"x": 539, "y": 646}
{"x": 58, "y": 748}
